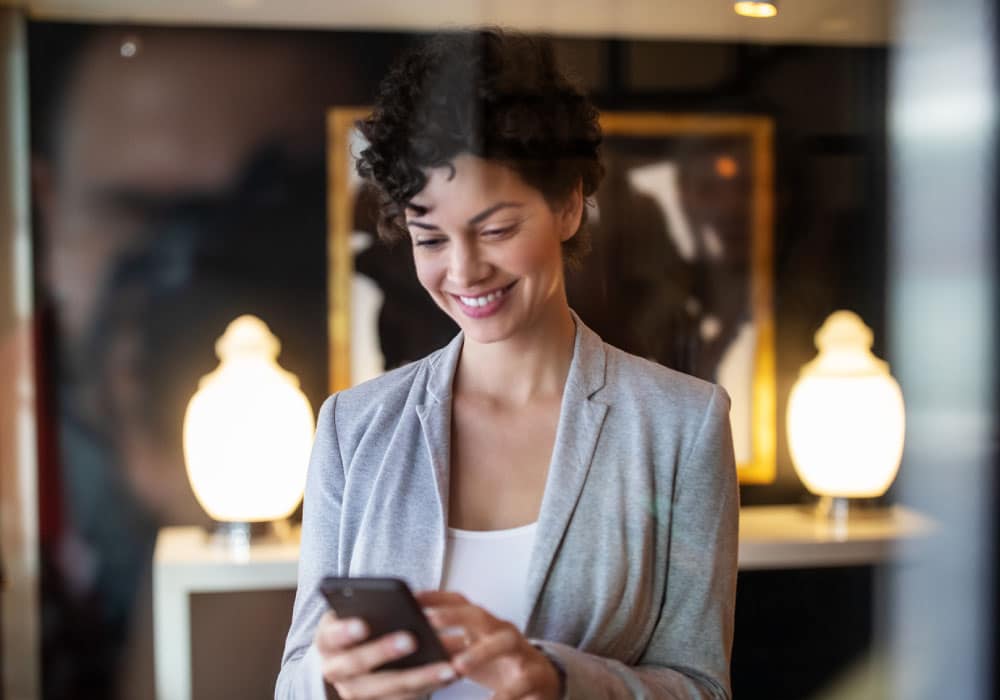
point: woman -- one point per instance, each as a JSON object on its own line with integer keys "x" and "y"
{"x": 570, "y": 508}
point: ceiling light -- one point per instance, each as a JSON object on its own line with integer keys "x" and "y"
{"x": 129, "y": 47}
{"x": 756, "y": 9}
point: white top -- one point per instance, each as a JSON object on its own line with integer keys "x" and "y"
{"x": 490, "y": 568}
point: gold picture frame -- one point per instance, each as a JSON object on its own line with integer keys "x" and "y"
{"x": 746, "y": 142}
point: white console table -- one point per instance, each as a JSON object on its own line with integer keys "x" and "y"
{"x": 187, "y": 562}
{"x": 792, "y": 537}
{"x": 771, "y": 537}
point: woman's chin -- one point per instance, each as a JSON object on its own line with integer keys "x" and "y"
{"x": 482, "y": 332}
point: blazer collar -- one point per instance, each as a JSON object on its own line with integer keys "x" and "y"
{"x": 580, "y": 419}
{"x": 442, "y": 369}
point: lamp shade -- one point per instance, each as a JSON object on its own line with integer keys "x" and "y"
{"x": 759, "y": 9}
{"x": 845, "y": 416}
{"x": 248, "y": 430}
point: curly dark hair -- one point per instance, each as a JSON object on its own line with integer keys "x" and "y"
{"x": 494, "y": 94}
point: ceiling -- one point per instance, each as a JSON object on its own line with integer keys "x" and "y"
{"x": 799, "y": 21}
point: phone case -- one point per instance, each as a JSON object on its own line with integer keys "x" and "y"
{"x": 387, "y": 606}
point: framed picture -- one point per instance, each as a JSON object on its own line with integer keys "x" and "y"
{"x": 680, "y": 271}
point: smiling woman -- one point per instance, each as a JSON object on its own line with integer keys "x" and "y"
{"x": 487, "y": 248}
{"x": 502, "y": 99}
{"x": 507, "y": 476}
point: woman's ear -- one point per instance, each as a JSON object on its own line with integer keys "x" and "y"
{"x": 571, "y": 212}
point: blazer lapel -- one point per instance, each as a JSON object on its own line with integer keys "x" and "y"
{"x": 580, "y": 421}
{"x": 435, "y": 423}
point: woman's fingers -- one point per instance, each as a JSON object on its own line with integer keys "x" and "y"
{"x": 346, "y": 664}
{"x": 453, "y": 639}
{"x": 435, "y": 598}
{"x": 525, "y": 673}
{"x": 504, "y": 640}
{"x": 409, "y": 682}
{"x": 334, "y": 634}
{"x": 477, "y": 627}
{"x": 473, "y": 619}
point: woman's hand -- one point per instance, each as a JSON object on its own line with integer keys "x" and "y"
{"x": 495, "y": 653}
{"x": 347, "y": 660}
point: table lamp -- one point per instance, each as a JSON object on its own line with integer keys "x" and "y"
{"x": 248, "y": 431}
{"x": 845, "y": 418}
{"x": 757, "y": 9}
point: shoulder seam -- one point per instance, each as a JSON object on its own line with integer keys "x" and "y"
{"x": 336, "y": 436}
{"x": 701, "y": 427}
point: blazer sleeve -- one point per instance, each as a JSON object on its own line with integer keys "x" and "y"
{"x": 688, "y": 655}
{"x": 301, "y": 676}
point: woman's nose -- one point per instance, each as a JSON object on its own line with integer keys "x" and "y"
{"x": 465, "y": 265}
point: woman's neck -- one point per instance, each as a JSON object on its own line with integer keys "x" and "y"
{"x": 530, "y": 365}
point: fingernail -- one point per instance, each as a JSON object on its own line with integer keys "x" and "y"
{"x": 446, "y": 674}
{"x": 404, "y": 643}
{"x": 356, "y": 629}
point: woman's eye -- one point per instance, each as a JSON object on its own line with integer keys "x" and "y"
{"x": 499, "y": 231}
{"x": 429, "y": 242}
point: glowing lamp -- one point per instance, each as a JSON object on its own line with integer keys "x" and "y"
{"x": 845, "y": 415}
{"x": 248, "y": 430}
{"x": 759, "y": 10}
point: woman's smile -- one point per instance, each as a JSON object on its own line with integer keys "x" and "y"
{"x": 483, "y": 305}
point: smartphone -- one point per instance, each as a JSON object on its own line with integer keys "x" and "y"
{"x": 387, "y": 605}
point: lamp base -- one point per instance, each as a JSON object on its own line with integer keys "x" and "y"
{"x": 833, "y": 508}
{"x": 842, "y": 509}
{"x": 236, "y": 537}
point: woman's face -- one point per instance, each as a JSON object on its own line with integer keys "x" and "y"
{"x": 487, "y": 248}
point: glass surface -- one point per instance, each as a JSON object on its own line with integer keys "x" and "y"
{"x": 179, "y": 177}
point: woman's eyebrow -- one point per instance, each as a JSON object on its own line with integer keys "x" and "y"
{"x": 419, "y": 211}
{"x": 421, "y": 224}
{"x": 486, "y": 213}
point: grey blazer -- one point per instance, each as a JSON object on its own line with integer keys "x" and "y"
{"x": 632, "y": 579}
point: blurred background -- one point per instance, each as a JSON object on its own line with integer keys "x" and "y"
{"x": 166, "y": 169}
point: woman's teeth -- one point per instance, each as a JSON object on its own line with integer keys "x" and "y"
{"x": 483, "y": 300}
